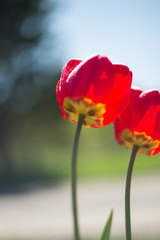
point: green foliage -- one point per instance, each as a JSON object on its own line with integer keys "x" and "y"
{"x": 41, "y": 146}
{"x": 107, "y": 228}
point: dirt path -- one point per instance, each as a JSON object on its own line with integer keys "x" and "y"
{"x": 46, "y": 212}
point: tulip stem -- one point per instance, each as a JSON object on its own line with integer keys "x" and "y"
{"x": 74, "y": 176}
{"x": 127, "y": 193}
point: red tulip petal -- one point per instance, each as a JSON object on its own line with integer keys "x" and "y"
{"x": 59, "y": 100}
{"x": 124, "y": 120}
{"x": 67, "y": 70}
{"x": 156, "y": 151}
{"x": 141, "y": 119}
{"x": 145, "y": 111}
{"x": 92, "y": 78}
{"x": 156, "y": 132}
{"x": 118, "y": 98}
{"x": 58, "y": 93}
{"x": 96, "y": 81}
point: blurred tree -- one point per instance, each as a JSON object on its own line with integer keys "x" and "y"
{"x": 28, "y": 68}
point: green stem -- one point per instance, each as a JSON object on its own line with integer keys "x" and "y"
{"x": 127, "y": 193}
{"x": 74, "y": 177}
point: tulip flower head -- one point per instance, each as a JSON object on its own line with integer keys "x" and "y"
{"x": 95, "y": 88}
{"x": 139, "y": 124}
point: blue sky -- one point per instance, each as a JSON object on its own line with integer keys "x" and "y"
{"x": 127, "y": 32}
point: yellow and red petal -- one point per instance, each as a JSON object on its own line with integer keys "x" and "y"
{"x": 101, "y": 83}
{"x": 93, "y": 112}
{"x": 146, "y": 144}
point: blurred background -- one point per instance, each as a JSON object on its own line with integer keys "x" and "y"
{"x": 37, "y": 38}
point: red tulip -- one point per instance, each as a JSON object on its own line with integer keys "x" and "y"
{"x": 95, "y": 88}
{"x": 139, "y": 124}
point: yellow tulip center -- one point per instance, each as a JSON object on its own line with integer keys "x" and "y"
{"x": 93, "y": 112}
{"x": 146, "y": 144}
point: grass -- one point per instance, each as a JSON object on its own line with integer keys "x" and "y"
{"x": 99, "y": 156}
{"x": 46, "y": 153}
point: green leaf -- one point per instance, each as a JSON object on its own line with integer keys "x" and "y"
{"x": 107, "y": 228}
